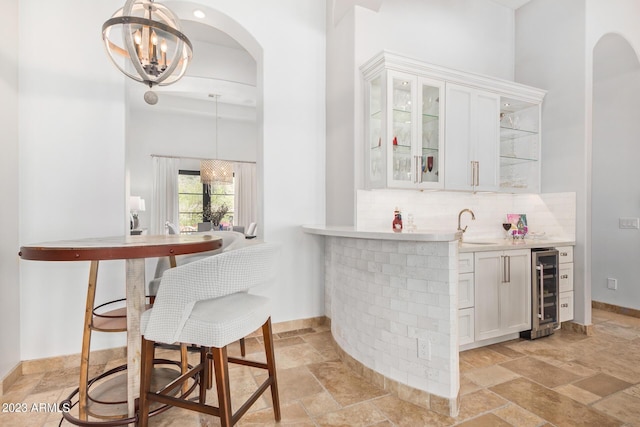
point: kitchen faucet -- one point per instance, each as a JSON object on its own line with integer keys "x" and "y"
{"x": 473, "y": 217}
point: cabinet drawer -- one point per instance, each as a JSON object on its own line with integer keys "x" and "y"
{"x": 566, "y": 306}
{"x": 465, "y": 290}
{"x": 565, "y": 254}
{"x": 566, "y": 277}
{"x": 465, "y": 262}
{"x": 465, "y": 326}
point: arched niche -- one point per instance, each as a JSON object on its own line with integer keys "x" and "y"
{"x": 615, "y": 175}
{"x": 227, "y": 62}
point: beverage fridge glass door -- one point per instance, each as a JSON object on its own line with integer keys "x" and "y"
{"x": 545, "y": 286}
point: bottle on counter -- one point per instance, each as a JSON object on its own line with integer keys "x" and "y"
{"x": 397, "y": 221}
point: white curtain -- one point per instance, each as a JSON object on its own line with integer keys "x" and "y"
{"x": 246, "y": 194}
{"x": 165, "y": 193}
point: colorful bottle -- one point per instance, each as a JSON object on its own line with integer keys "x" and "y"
{"x": 397, "y": 221}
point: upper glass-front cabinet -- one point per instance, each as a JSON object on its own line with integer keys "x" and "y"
{"x": 404, "y": 131}
{"x": 519, "y": 146}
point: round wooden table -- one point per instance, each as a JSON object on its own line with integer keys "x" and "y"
{"x": 133, "y": 249}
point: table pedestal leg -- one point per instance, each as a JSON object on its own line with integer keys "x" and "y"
{"x": 135, "y": 307}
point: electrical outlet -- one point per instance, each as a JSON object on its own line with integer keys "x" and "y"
{"x": 424, "y": 349}
{"x": 612, "y": 283}
{"x": 629, "y": 223}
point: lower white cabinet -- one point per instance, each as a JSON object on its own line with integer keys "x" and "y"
{"x": 466, "y": 298}
{"x": 565, "y": 270}
{"x": 502, "y": 293}
{"x": 466, "y": 326}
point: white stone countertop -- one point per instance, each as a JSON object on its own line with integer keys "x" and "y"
{"x": 482, "y": 245}
{"x": 351, "y": 231}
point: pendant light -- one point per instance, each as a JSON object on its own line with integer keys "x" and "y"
{"x": 216, "y": 171}
{"x": 143, "y": 39}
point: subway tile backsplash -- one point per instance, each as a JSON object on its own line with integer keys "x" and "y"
{"x": 553, "y": 214}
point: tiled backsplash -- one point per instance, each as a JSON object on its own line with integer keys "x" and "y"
{"x": 553, "y": 213}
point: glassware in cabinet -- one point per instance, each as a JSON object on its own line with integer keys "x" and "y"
{"x": 403, "y": 130}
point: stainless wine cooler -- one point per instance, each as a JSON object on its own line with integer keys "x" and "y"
{"x": 545, "y": 287}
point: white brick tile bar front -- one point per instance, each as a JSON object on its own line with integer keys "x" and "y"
{"x": 393, "y": 307}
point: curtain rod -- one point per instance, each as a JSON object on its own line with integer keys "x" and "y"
{"x": 198, "y": 158}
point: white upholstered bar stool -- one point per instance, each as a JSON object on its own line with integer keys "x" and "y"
{"x": 206, "y": 303}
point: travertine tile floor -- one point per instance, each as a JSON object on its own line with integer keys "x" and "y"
{"x": 563, "y": 380}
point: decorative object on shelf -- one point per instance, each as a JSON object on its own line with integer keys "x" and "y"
{"x": 411, "y": 226}
{"x": 395, "y": 140}
{"x": 507, "y": 226}
{"x": 215, "y": 215}
{"x": 144, "y": 40}
{"x": 216, "y": 171}
{"x": 397, "y": 221}
{"x": 136, "y": 205}
{"x": 519, "y": 226}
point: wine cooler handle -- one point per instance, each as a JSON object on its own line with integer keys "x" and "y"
{"x": 540, "y": 268}
{"x": 415, "y": 163}
{"x": 419, "y": 169}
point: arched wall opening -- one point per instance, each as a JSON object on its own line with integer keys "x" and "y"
{"x": 184, "y": 124}
{"x": 615, "y": 176}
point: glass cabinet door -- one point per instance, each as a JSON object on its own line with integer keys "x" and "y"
{"x": 404, "y": 135}
{"x": 402, "y": 170}
{"x": 376, "y": 155}
{"x": 430, "y": 151}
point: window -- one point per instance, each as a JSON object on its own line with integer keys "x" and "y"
{"x": 193, "y": 196}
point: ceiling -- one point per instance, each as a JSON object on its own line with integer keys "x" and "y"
{"x": 178, "y": 96}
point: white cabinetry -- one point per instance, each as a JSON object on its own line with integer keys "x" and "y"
{"x": 566, "y": 282}
{"x": 404, "y": 134}
{"x": 431, "y": 127}
{"x": 502, "y": 293}
{"x": 466, "y": 299}
{"x": 472, "y": 139}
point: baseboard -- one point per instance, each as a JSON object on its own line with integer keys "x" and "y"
{"x": 98, "y": 357}
{"x": 578, "y": 328}
{"x": 632, "y": 312}
{"x": 10, "y": 379}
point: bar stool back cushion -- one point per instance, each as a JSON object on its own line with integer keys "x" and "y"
{"x": 230, "y": 240}
{"x": 188, "y": 292}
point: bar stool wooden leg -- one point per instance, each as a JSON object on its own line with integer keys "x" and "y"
{"x": 86, "y": 341}
{"x": 243, "y": 351}
{"x": 146, "y": 368}
{"x": 184, "y": 365}
{"x": 221, "y": 365}
{"x": 204, "y": 374}
{"x": 271, "y": 367}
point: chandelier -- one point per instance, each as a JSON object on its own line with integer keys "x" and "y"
{"x": 216, "y": 171}
{"x": 143, "y": 39}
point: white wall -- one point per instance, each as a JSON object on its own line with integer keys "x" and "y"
{"x": 72, "y": 166}
{"x": 9, "y": 243}
{"x": 550, "y": 54}
{"x": 554, "y": 51}
{"x": 616, "y": 108}
{"x": 469, "y": 35}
